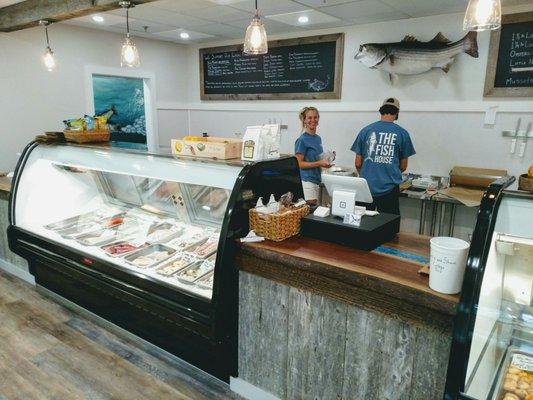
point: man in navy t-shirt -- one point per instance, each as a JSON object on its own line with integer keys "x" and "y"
{"x": 382, "y": 150}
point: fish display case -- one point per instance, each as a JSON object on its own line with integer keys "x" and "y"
{"x": 491, "y": 356}
{"x": 145, "y": 241}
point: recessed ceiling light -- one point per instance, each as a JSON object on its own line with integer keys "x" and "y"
{"x": 303, "y": 19}
{"x": 184, "y": 35}
{"x": 98, "y": 18}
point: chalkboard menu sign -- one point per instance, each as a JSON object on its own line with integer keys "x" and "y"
{"x": 510, "y": 63}
{"x": 303, "y": 68}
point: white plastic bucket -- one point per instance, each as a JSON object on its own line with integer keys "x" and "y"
{"x": 447, "y": 264}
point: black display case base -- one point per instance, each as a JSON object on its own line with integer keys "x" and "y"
{"x": 372, "y": 232}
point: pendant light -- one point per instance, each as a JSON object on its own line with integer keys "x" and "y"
{"x": 48, "y": 58}
{"x": 482, "y": 15}
{"x": 129, "y": 54}
{"x": 255, "y": 40}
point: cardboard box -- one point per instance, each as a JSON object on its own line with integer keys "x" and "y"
{"x": 209, "y": 147}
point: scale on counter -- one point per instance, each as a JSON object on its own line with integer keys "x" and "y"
{"x": 345, "y": 191}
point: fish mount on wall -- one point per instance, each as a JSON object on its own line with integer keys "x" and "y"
{"x": 412, "y": 57}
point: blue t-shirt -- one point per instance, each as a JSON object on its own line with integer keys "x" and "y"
{"x": 311, "y": 147}
{"x": 382, "y": 145}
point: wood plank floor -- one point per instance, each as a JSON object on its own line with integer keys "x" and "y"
{"x": 50, "y": 352}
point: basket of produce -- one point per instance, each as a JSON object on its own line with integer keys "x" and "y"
{"x": 277, "y": 221}
{"x": 86, "y": 136}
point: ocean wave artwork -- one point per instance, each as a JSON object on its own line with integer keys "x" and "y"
{"x": 123, "y": 99}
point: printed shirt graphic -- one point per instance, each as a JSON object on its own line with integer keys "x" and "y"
{"x": 311, "y": 148}
{"x": 382, "y": 145}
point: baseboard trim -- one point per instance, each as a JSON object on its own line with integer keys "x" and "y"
{"x": 17, "y": 271}
{"x": 249, "y": 391}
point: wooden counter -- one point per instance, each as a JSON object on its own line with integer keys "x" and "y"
{"x": 5, "y": 184}
{"x": 372, "y": 280}
{"x": 323, "y": 321}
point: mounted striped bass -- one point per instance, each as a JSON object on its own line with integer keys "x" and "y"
{"x": 412, "y": 57}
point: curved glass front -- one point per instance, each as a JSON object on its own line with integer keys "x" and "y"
{"x": 146, "y": 214}
{"x": 501, "y": 356}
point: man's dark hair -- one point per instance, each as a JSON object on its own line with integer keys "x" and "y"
{"x": 389, "y": 109}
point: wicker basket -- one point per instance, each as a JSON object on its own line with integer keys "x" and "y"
{"x": 86, "y": 136}
{"x": 278, "y": 226}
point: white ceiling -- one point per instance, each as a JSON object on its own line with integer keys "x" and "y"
{"x": 211, "y": 20}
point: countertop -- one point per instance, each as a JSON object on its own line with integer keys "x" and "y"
{"x": 385, "y": 280}
{"x": 5, "y": 184}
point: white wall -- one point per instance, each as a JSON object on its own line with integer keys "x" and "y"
{"x": 33, "y": 100}
{"x": 443, "y": 112}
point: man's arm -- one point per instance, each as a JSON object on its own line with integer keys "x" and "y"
{"x": 358, "y": 162}
{"x": 403, "y": 164}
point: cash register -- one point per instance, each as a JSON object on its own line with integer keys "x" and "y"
{"x": 348, "y": 223}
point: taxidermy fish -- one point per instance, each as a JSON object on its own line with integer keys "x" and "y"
{"x": 412, "y": 57}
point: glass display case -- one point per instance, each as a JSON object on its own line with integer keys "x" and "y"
{"x": 143, "y": 240}
{"x": 492, "y": 349}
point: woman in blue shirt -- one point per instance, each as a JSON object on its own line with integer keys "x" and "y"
{"x": 308, "y": 150}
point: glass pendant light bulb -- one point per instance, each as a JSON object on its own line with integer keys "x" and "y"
{"x": 482, "y": 15}
{"x": 255, "y": 40}
{"x": 130, "y": 54}
{"x": 49, "y": 60}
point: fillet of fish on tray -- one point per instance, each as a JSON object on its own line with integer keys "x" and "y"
{"x": 206, "y": 281}
{"x": 175, "y": 264}
{"x": 204, "y": 249}
{"x": 98, "y": 238}
{"x": 187, "y": 240}
{"x": 193, "y": 272}
{"x": 149, "y": 256}
{"x": 163, "y": 232}
{"x": 121, "y": 248}
{"x": 93, "y": 216}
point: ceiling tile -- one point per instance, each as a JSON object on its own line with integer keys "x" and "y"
{"x": 314, "y": 17}
{"x": 364, "y": 11}
{"x": 181, "y": 5}
{"x": 223, "y": 30}
{"x": 174, "y": 35}
{"x": 139, "y": 26}
{"x": 324, "y": 3}
{"x": 269, "y": 7}
{"x": 161, "y": 16}
{"x": 109, "y": 19}
{"x": 271, "y": 26}
{"x": 218, "y": 14}
{"x": 422, "y": 8}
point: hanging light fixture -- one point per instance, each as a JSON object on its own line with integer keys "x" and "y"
{"x": 482, "y": 15}
{"x": 129, "y": 54}
{"x": 48, "y": 58}
{"x": 255, "y": 40}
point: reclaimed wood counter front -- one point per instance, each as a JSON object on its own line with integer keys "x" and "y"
{"x": 5, "y": 184}
{"x": 323, "y": 321}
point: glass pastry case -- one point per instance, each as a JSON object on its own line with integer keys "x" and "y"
{"x": 492, "y": 349}
{"x": 143, "y": 240}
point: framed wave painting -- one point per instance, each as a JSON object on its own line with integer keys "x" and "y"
{"x": 122, "y": 100}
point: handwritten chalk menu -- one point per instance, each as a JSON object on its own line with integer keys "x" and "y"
{"x": 510, "y": 64}
{"x": 305, "y": 68}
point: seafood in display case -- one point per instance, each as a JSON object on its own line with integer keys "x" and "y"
{"x": 162, "y": 232}
{"x": 128, "y": 235}
{"x": 177, "y": 263}
{"x": 121, "y": 248}
{"x": 206, "y": 281}
{"x": 193, "y": 272}
{"x": 149, "y": 256}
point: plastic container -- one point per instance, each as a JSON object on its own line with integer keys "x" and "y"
{"x": 447, "y": 264}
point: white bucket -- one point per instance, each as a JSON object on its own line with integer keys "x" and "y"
{"x": 447, "y": 264}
